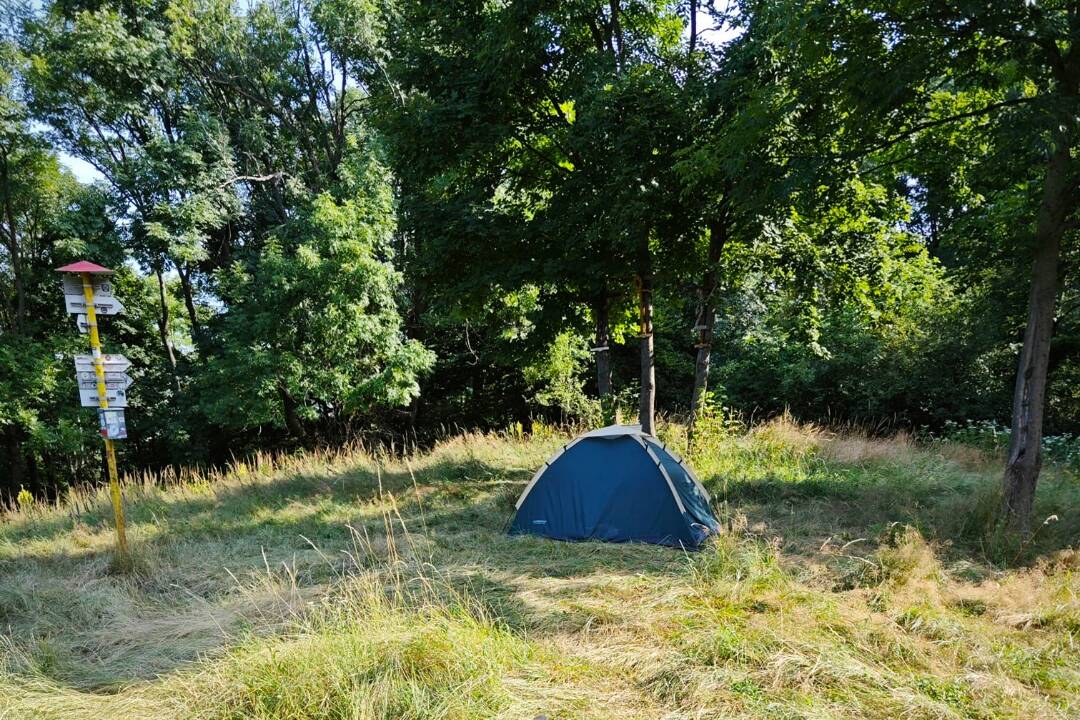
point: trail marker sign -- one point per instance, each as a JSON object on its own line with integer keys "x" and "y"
{"x": 113, "y": 380}
{"x": 112, "y": 363}
{"x": 104, "y": 305}
{"x": 101, "y": 379}
{"x": 116, "y": 397}
{"x": 104, "y": 301}
{"x": 101, "y": 283}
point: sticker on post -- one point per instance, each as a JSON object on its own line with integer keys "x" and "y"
{"x": 113, "y": 426}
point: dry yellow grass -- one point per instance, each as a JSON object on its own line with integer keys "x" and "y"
{"x": 355, "y": 585}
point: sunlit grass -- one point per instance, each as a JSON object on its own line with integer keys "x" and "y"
{"x": 852, "y": 582}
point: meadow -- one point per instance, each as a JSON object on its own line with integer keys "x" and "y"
{"x": 855, "y": 579}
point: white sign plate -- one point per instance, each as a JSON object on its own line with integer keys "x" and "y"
{"x": 88, "y": 397}
{"x": 73, "y": 285}
{"x": 83, "y": 323}
{"x": 113, "y": 380}
{"x": 113, "y": 363}
{"x": 103, "y": 304}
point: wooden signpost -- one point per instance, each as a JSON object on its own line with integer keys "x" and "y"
{"x": 101, "y": 378}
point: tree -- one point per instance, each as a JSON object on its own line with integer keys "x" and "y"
{"x": 909, "y": 68}
{"x": 545, "y": 131}
{"x": 745, "y": 170}
{"x": 46, "y": 219}
{"x": 232, "y": 143}
{"x": 313, "y": 331}
{"x": 106, "y": 79}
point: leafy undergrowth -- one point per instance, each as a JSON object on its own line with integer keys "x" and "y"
{"x": 856, "y": 579}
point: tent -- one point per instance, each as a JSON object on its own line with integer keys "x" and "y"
{"x": 616, "y": 484}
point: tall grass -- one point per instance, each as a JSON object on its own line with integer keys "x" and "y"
{"x": 362, "y": 583}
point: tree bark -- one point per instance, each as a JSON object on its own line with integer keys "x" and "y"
{"x": 189, "y": 297}
{"x": 17, "y": 466}
{"x": 693, "y": 26}
{"x": 602, "y": 352}
{"x": 616, "y": 34}
{"x": 1025, "y": 446}
{"x": 12, "y": 241}
{"x": 288, "y": 407}
{"x": 706, "y": 320}
{"x": 163, "y": 322}
{"x": 647, "y": 401}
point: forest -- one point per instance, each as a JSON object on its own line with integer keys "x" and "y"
{"x": 384, "y": 219}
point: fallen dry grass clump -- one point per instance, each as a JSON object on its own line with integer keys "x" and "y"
{"x": 852, "y": 583}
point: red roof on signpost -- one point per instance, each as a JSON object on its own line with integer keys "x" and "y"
{"x": 83, "y": 266}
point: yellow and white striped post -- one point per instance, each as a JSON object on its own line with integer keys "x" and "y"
{"x": 103, "y": 403}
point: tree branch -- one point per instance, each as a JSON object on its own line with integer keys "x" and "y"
{"x": 938, "y": 122}
{"x": 252, "y": 178}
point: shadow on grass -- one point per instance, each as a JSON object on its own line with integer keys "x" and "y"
{"x": 81, "y": 626}
{"x": 958, "y": 513}
{"x": 74, "y": 621}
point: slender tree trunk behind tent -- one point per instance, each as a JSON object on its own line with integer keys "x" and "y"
{"x": 288, "y": 409}
{"x": 34, "y": 477}
{"x": 706, "y": 320}
{"x": 16, "y": 462}
{"x": 163, "y": 325}
{"x": 602, "y": 352}
{"x": 189, "y": 296}
{"x": 1029, "y": 397}
{"x": 11, "y": 238}
{"x": 693, "y": 26}
{"x": 647, "y": 405}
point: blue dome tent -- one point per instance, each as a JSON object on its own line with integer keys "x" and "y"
{"x": 616, "y": 484}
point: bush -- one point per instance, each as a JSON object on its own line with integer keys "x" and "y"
{"x": 994, "y": 438}
{"x": 714, "y": 424}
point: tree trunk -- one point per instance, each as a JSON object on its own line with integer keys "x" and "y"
{"x": 12, "y": 241}
{"x": 34, "y": 477}
{"x": 1025, "y": 445}
{"x": 602, "y": 351}
{"x": 616, "y": 34}
{"x": 288, "y": 407}
{"x": 693, "y": 26}
{"x": 706, "y": 319}
{"x": 163, "y": 325}
{"x": 647, "y": 403}
{"x": 189, "y": 297}
{"x": 16, "y": 465}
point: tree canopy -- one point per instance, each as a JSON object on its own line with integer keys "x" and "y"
{"x": 339, "y": 217}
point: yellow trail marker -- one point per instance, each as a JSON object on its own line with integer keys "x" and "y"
{"x": 81, "y": 301}
{"x": 103, "y": 403}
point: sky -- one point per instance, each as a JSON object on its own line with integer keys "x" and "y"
{"x": 83, "y": 171}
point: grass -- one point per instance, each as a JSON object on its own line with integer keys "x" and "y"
{"x": 855, "y": 580}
